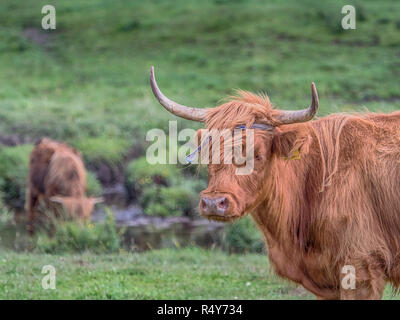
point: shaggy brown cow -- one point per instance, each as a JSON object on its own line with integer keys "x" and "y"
{"x": 57, "y": 174}
{"x": 337, "y": 205}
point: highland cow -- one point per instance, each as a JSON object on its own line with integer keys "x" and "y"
{"x": 324, "y": 193}
{"x": 57, "y": 175}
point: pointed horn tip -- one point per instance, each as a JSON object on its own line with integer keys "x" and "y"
{"x": 315, "y": 100}
{"x": 153, "y": 82}
{"x": 55, "y": 199}
{"x": 313, "y": 87}
{"x": 314, "y": 90}
{"x": 179, "y": 110}
{"x": 99, "y": 200}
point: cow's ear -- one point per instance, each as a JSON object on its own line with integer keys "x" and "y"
{"x": 291, "y": 144}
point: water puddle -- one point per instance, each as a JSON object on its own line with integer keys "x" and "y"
{"x": 139, "y": 231}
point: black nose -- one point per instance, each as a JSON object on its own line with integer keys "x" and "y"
{"x": 214, "y": 206}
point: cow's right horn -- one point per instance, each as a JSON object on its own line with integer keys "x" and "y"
{"x": 287, "y": 117}
{"x": 177, "y": 109}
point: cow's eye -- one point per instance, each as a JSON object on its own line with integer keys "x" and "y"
{"x": 257, "y": 157}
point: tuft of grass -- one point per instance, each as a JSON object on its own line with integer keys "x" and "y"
{"x": 139, "y": 174}
{"x": 93, "y": 187}
{"x": 14, "y": 166}
{"x": 243, "y": 236}
{"x": 76, "y": 236}
{"x": 103, "y": 149}
{"x": 180, "y": 200}
{"x": 161, "y": 189}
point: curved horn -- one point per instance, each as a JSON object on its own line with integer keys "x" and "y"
{"x": 98, "y": 200}
{"x": 177, "y": 109}
{"x": 287, "y": 117}
{"x": 56, "y": 199}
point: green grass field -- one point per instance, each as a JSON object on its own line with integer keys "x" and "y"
{"x": 158, "y": 274}
{"x": 87, "y": 83}
{"x": 89, "y": 77}
{"x": 189, "y": 273}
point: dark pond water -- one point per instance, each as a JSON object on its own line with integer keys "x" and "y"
{"x": 139, "y": 231}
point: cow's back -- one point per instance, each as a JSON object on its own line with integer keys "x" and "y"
{"x": 39, "y": 162}
{"x": 66, "y": 175}
{"x": 50, "y": 162}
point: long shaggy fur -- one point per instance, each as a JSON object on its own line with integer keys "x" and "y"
{"x": 338, "y": 205}
{"x": 56, "y": 170}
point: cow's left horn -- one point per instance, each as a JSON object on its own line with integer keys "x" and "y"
{"x": 98, "y": 200}
{"x": 177, "y": 109}
{"x": 287, "y": 117}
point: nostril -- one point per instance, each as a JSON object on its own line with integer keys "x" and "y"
{"x": 214, "y": 206}
{"x": 203, "y": 204}
{"x": 223, "y": 203}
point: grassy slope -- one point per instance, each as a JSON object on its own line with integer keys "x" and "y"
{"x": 90, "y": 78}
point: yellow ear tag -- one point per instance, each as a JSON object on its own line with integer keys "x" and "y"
{"x": 295, "y": 155}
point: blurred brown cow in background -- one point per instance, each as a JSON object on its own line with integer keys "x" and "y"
{"x": 324, "y": 193}
{"x": 58, "y": 176}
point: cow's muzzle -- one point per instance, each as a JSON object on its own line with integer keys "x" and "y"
{"x": 217, "y": 208}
